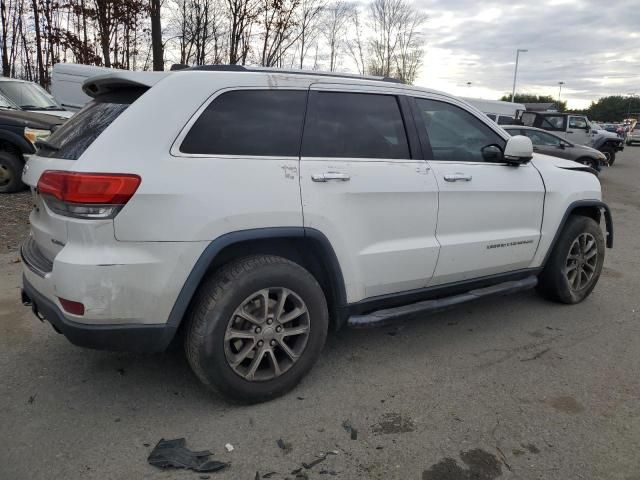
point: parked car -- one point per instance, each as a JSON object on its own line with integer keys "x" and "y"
{"x": 19, "y": 130}
{"x": 578, "y": 130}
{"x": 31, "y": 97}
{"x": 634, "y": 135}
{"x": 305, "y": 201}
{"x": 67, "y": 80}
{"x": 550, "y": 144}
{"x": 503, "y": 113}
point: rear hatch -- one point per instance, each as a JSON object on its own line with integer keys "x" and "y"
{"x": 52, "y": 213}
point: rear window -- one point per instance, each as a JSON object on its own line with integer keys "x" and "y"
{"x": 76, "y": 134}
{"x": 249, "y": 122}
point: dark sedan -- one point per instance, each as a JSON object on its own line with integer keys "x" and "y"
{"x": 550, "y": 144}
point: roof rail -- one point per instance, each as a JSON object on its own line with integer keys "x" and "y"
{"x": 242, "y": 68}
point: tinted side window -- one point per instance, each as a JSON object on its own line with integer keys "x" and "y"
{"x": 354, "y": 125}
{"x": 540, "y": 138}
{"x": 454, "y": 133}
{"x": 249, "y": 122}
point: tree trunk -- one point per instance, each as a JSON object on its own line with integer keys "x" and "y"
{"x": 156, "y": 36}
{"x": 36, "y": 21}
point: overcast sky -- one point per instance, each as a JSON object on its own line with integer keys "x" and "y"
{"x": 591, "y": 45}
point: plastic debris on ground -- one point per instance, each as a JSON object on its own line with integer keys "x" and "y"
{"x": 229, "y": 447}
{"x": 175, "y": 454}
{"x": 349, "y": 429}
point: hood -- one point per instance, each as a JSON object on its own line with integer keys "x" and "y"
{"x": 544, "y": 162}
{"x": 605, "y": 133}
{"x": 64, "y": 114}
{"x": 589, "y": 150}
{"x": 23, "y": 118}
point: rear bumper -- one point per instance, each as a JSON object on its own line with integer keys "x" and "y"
{"x": 123, "y": 337}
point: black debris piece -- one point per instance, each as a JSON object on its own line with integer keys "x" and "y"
{"x": 204, "y": 477}
{"x": 146, "y": 444}
{"x": 257, "y": 477}
{"x": 300, "y": 398}
{"x": 121, "y": 372}
{"x": 328, "y": 472}
{"x": 284, "y": 445}
{"x": 296, "y": 471}
{"x": 32, "y": 398}
{"x": 175, "y": 454}
{"x": 314, "y": 462}
{"x": 302, "y": 476}
{"x": 269, "y": 475}
{"x": 349, "y": 429}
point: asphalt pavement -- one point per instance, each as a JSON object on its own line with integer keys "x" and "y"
{"x": 509, "y": 388}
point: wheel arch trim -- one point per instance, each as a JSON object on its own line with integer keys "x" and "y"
{"x": 599, "y": 205}
{"x": 212, "y": 250}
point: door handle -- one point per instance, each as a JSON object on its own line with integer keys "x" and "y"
{"x": 325, "y": 177}
{"x": 457, "y": 177}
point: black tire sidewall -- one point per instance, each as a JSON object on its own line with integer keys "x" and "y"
{"x": 15, "y": 165}
{"x": 213, "y": 362}
{"x": 553, "y": 278}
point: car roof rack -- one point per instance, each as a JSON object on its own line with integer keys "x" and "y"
{"x": 319, "y": 73}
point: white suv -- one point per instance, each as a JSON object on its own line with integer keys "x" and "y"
{"x": 247, "y": 211}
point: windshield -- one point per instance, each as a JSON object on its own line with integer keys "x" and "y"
{"x": 28, "y": 96}
{"x": 5, "y": 103}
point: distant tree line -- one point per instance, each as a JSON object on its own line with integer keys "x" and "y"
{"x": 383, "y": 37}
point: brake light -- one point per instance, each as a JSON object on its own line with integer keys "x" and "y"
{"x": 87, "y": 195}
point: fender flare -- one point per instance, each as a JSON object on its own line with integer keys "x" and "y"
{"x": 209, "y": 254}
{"x": 23, "y": 145}
{"x": 600, "y": 205}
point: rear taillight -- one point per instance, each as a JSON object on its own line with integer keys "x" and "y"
{"x": 87, "y": 195}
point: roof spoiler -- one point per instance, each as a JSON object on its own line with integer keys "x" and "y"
{"x": 112, "y": 82}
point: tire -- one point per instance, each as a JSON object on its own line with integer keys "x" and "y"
{"x": 213, "y": 347}
{"x": 10, "y": 172}
{"x": 610, "y": 153}
{"x": 590, "y": 162}
{"x": 556, "y": 282}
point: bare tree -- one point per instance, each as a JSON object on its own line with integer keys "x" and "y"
{"x": 395, "y": 49}
{"x": 356, "y": 43}
{"x": 338, "y": 15}
{"x": 242, "y": 15}
{"x": 309, "y": 16}
{"x": 156, "y": 35}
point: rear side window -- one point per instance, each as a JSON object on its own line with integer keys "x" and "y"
{"x": 354, "y": 125}
{"x": 249, "y": 122}
{"x": 76, "y": 134}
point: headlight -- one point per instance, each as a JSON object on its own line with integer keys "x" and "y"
{"x": 35, "y": 134}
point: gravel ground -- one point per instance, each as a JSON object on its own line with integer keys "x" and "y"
{"x": 514, "y": 388}
{"x": 14, "y": 219}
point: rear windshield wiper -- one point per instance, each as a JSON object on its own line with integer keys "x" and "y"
{"x": 47, "y": 145}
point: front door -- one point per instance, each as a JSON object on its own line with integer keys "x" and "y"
{"x": 578, "y": 130}
{"x": 361, "y": 186}
{"x": 490, "y": 214}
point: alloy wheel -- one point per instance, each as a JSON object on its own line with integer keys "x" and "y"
{"x": 580, "y": 266}
{"x": 267, "y": 334}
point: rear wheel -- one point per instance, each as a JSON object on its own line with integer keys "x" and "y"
{"x": 257, "y": 327}
{"x": 574, "y": 266}
{"x": 10, "y": 172}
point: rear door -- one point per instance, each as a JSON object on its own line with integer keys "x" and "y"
{"x": 366, "y": 191}
{"x": 548, "y": 144}
{"x": 490, "y": 214}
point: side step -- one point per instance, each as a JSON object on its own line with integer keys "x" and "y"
{"x": 389, "y": 315}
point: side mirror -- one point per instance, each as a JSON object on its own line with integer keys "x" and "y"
{"x": 519, "y": 150}
{"x": 492, "y": 153}
{"x": 561, "y": 146}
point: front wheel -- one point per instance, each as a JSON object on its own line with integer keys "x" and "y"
{"x": 610, "y": 153}
{"x": 573, "y": 268}
{"x": 257, "y": 327}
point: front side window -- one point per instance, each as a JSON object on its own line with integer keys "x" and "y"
{"x": 454, "y": 133}
{"x": 553, "y": 123}
{"x": 542, "y": 139}
{"x": 249, "y": 122}
{"x": 578, "y": 122}
{"x": 354, "y": 125}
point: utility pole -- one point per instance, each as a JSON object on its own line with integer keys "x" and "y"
{"x": 560, "y": 93}
{"x": 515, "y": 73}
{"x": 631, "y": 95}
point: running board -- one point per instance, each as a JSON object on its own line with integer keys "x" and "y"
{"x": 389, "y": 315}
